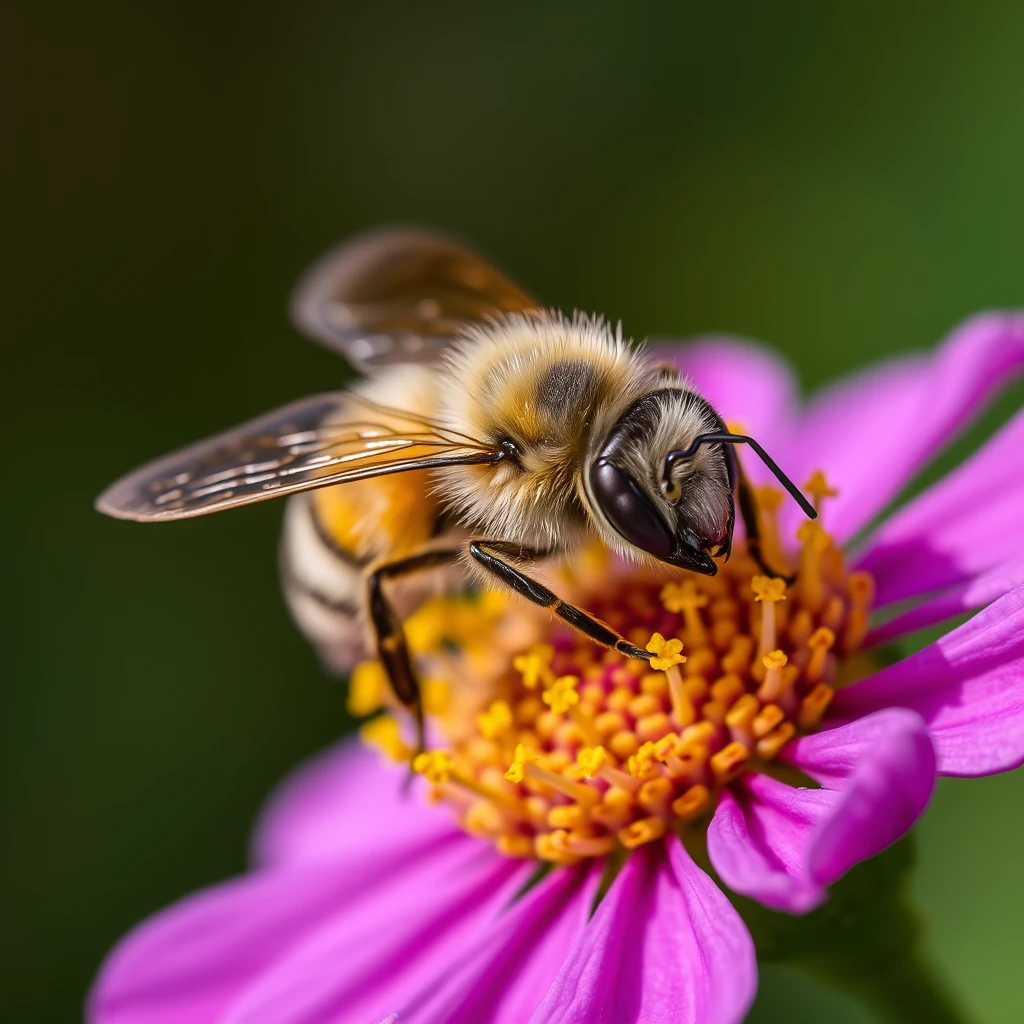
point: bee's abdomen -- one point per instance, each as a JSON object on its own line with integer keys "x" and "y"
{"x": 323, "y": 584}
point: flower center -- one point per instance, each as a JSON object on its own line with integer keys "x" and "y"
{"x": 565, "y": 750}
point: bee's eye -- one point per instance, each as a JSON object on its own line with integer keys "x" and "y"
{"x": 629, "y": 510}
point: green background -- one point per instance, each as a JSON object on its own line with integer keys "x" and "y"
{"x": 842, "y": 185}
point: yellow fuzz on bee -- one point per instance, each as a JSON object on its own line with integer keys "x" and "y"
{"x": 562, "y": 750}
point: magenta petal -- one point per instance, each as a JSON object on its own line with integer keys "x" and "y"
{"x": 968, "y": 687}
{"x": 514, "y": 963}
{"x": 884, "y": 769}
{"x": 187, "y": 964}
{"x": 664, "y": 945}
{"x": 365, "y": 961}
{"x": 975, "y": 593}
{"x": 746, "y": 383}
{"x": 967, "y": 524}
{"x": 759, "y": 838}
{"x": 873, "y": 432}
{"x": 341, "y": 801}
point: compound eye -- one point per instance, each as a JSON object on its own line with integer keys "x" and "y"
{"x": 629, "y": 510}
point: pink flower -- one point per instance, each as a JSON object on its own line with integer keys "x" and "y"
{"x": 368, "y": 905}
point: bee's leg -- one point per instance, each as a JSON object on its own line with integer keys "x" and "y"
{"x": 387, "y": 626}
{"x": 752, "y": 524}
{"x": 497, "y": 557}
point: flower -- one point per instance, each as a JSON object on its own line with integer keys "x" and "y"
{"x": 367, "y": 903}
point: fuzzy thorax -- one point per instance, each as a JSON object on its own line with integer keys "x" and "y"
{"x": 552, "y": 385}
{"x": 551, "y": 747}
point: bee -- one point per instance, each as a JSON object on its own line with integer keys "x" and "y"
{"x": 488, "y": 435}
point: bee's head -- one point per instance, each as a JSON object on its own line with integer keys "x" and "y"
{"x": 664, "y": 480}
{"x": 681, "y": 514}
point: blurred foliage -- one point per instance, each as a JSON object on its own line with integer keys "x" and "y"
{"x": 843, "y": 184}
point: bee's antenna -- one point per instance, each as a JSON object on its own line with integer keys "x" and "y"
{"x": 682, "y": 454}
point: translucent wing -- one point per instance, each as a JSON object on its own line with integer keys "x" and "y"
{"x": 399, "y": 296}
{"x": 315, "y": 442}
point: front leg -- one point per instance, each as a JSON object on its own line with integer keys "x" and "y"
{"x": 496, "y": 557}
{"x": 752, "y": 524}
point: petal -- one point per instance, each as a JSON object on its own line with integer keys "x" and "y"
{"x": 514, "y": 964}
{"x": 746, "y": 383}
{"x": 873, "y": 432}
{"x": 968, "y": 523}
{"x": 342, "y": 801}
{"x": 364, "y": 960}
{"x": 884, "y": 769}
{"x": 664, "y": 945}
{"x": 975, "y": 593}
{"x": 968, "y": 687}
{"x": 189, "y": 962}
{"x": 759, "y": 838}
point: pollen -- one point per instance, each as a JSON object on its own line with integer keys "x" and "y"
{"x": 561, "y": 750}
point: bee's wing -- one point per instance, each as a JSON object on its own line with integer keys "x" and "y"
{"x": 317, "y": 441}
{"x": 399, "y": 296}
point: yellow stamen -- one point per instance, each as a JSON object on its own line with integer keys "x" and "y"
{"x": 729, "y": 761}
{"x": 562, "y": 694}
{"x": 692, "y": 803}
{"x": 639, "y": 832}
{"x": 687, "y": 599}
{"x": 535, "y": 666}
{"x": 496, "y": 720}
{"x": 819, "y": 489}
{"x": 820, "y": 642}
{"x": 367, "y": 689}
{"x": 590, "y": 760}
{"x": 813, "y": 706}
{"x": 666, "y": 652}
{"x": 436, "y": 766}
{"x": 611, "y": 752}
{"x": 768, "y": 592}
{"x": 384, "y": 734}
{"x": 815, "y": 543}
{"x": 771, "y": 688}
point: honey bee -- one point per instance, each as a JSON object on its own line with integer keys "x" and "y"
{"x": 488, "y": 435}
